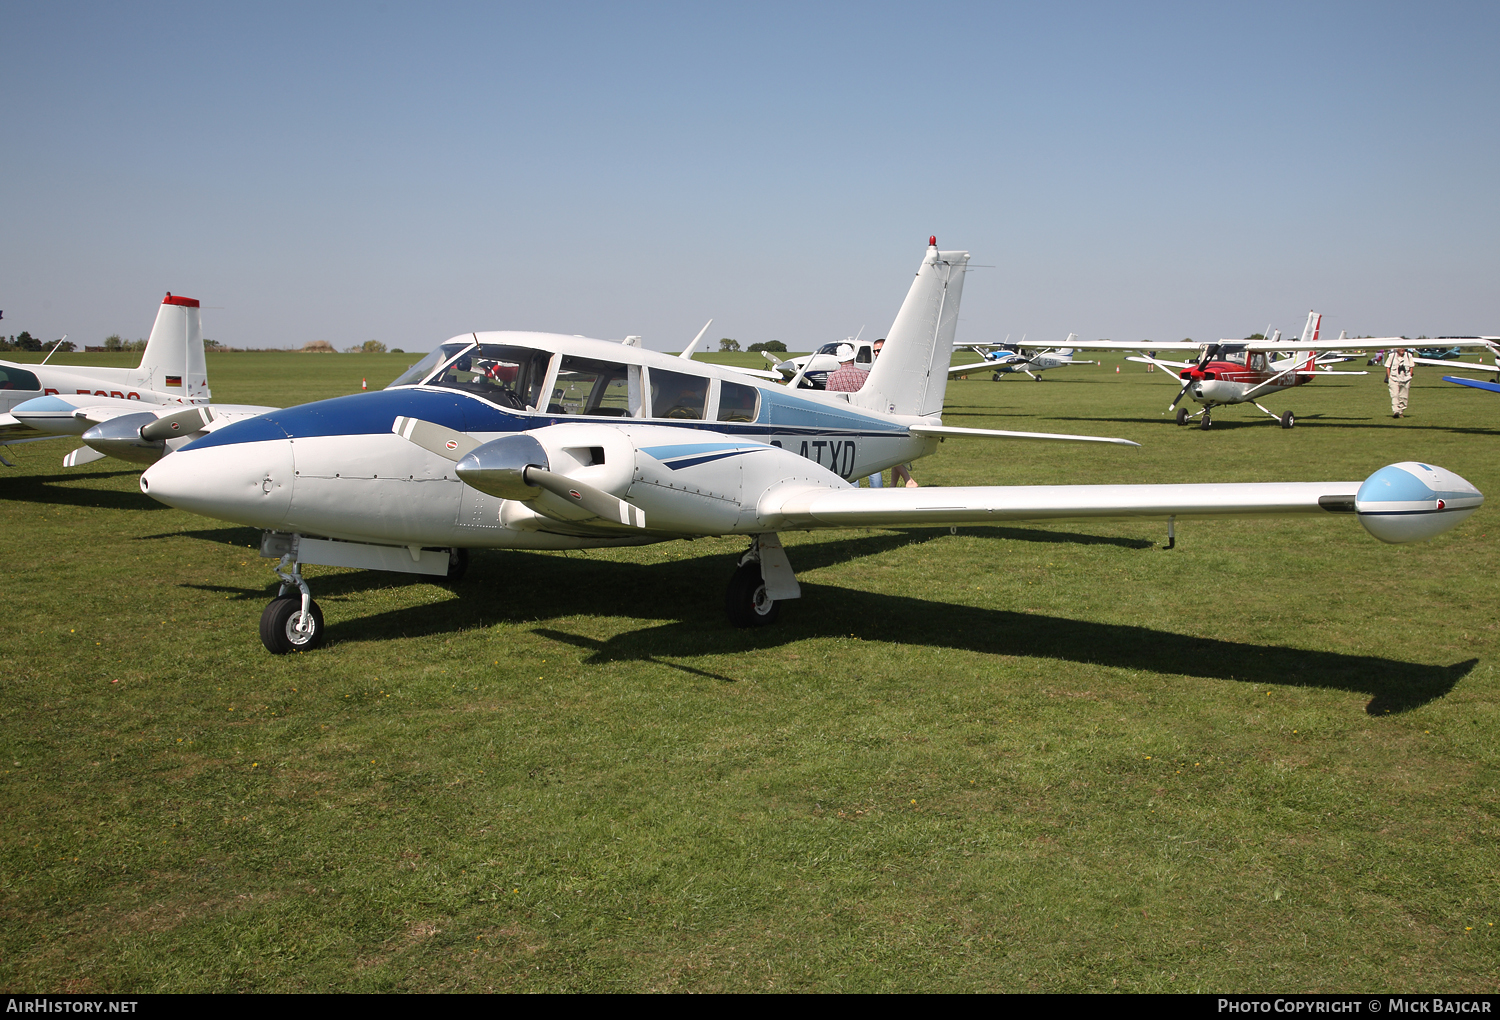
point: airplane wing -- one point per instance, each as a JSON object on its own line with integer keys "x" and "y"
{"x": 756, "y": 372}
{"x": 1472, "y": 366}
{"x": 1144, "y": 345}
{"x": 1362, "y": 343}
{"x": 976, "y": 367}
{"x": 1478, "y": 384}
{"x": 11, "y": 429}
{"x": 948, "y": 430}
{"x": 845, "y": 508}
{"x": 1164, "y": 363}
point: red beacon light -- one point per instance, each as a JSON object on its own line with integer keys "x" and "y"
{"x": 932, "y": 241}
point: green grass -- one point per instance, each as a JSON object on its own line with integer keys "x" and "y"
{"x": 1020, "y": 758}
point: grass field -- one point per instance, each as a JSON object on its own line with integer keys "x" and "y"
{"x": 1014, "y": 758}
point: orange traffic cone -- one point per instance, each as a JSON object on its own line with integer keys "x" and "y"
{"x": 1117, "y": 370}
{"x": 364, "y": 386}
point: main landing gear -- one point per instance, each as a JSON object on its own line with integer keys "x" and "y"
{"x": 761, "y": 582}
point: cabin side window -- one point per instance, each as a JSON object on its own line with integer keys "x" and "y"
{"x": 12, "y": 378}
{"x": 1233, "y": 356}
{"x": 678, "y": 395}
{"x": 602, "y": 388}
{"x": 862, "y": 355}
{"x": 738, "y": 403}
{"x": 508, "y": 376}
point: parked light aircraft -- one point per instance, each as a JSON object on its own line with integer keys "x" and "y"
{"x": 810, "y": 371}
{"x": 115, "y": 410}
{"x": 1005, "y": 359}
{"x": 1238, "y": 371}
{"x": 543, "y": 441}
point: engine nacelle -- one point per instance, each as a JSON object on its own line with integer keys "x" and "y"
{"x": 1412, "y": 502}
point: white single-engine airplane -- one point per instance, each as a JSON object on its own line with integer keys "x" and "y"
{"x": 1006, "y": 359}
{"x": 543, "y": 441}
{"x": 115, "y": 411}
{"x": 1239, "y": 371}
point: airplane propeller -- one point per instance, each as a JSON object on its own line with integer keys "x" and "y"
{"x": 1180, "y": 393}
{"x": 507, "y": 468}
{"x": 179, "y": 424}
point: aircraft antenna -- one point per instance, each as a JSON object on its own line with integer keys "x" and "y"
{"x": 54, "y": 348}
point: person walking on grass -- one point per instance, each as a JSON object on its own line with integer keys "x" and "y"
{"x": 1400, "y": 366}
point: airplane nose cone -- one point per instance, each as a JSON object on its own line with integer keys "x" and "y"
{"x": 247, "y": 483}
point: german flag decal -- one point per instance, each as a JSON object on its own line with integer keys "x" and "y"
{"x": 174, "y": 380}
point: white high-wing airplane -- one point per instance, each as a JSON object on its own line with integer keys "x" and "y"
{"x": 1006, "y": 359}
{"x": 111, "y": 408}
{"x": 543, "y": 441}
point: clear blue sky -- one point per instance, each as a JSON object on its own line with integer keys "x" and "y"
{"x": 408, "y": 172}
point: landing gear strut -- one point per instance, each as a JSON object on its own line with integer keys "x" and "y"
{"x": 763, "y": 580}
{"x": 1207, "y": 419}
{"x": 291, "y": 623}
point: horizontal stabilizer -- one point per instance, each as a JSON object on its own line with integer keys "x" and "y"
{"x": 947, "y": 430}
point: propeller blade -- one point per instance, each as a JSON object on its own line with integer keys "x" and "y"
{"x": 447, "y": 443}
{"x": 179, "y": 424}
{"x": 1173, "y": 404}
{"x": 82, "y": 455}
{"x": 596, "y": 501}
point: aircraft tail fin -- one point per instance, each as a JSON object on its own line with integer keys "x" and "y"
{"x": 1068, "y": 349}
{"x": 911, "y": 374}
{"x": 174, "y": 361}
{"x": 1311, "y": 330}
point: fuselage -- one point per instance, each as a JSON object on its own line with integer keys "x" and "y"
{"x": 1231, "y": 374}
{"x": 695, "y": 445}
{"x": 20, "y": 383}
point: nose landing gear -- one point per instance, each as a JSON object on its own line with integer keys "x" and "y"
{"x": 291, "y": 623}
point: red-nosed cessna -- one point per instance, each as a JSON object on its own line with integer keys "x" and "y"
{"x": 513, "y": 440}
{"x": 1240, "y": 371}
{"x": 136, "y": 414}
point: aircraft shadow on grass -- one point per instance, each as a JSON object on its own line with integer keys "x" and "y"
{"x": 519, "y": 587}
{"x": 66, "y": 490}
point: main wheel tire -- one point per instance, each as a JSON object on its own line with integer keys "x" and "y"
{"x": 995, "y": 377}
{"x": 1288, "y": 420}
{"x": 1182, "y": 415}
{"x": 278, "y": 626}
{"x": 746, "y": 601}
{"x": 458, "y": 564}
{"x": 1207, "y": 420}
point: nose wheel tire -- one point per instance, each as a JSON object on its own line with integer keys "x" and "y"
{"x": 1182, "y": 415}
{"x": 282, "y": 629}
{"x": 746, "y": 601}
{"x": 1207, "y": 420}
{"x": 1288, "y": 420}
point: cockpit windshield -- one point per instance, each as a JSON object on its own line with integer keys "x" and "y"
{"x": 509, "y": 376}
{"x": 1232, "y": 353}
{"x": 1210, "y": 352}
{"x": 422, "y": 369}
{"x": 832, "y": 348}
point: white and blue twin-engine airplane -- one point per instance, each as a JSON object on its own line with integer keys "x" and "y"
{"x": 542, "y": 441}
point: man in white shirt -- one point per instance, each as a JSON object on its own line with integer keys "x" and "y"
{"x": 1400, "y": 365}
